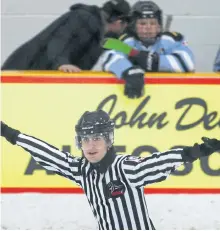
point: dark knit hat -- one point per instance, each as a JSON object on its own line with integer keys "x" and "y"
{"x": 116, "y": 9}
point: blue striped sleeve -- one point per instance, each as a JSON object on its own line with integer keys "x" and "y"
{"x": 177, "y": 56}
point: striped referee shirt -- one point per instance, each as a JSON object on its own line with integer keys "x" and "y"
{"x": 116, "y": 196}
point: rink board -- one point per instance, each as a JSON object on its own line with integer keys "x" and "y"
{"x": 175, "y": 110}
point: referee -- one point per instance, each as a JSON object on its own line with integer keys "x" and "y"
{"x": 114, "y": 184}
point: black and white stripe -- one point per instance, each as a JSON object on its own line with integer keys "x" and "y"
{"x": 152, "y": 169}
{"x": 51, "y": 158}
{"x": 128, "y": 211}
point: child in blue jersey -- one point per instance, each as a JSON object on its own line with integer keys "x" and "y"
{"x": 216, "y": 67}
{"x": 157, "y": 51}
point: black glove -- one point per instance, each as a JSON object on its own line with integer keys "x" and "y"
{"x": 134, "y": 82}
{"x": 200, "y": 150}
{"x": 9, "y": 133}
{"x": 148, "y": 61}
{"x": 209, "y": 146}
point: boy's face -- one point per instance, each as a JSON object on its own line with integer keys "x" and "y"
{"x": 94, "y": 147}
{"x": 147, "y": 28}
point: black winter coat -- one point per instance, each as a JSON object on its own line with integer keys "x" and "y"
{"x": 74, "y": 38}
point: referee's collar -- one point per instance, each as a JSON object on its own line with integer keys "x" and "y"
{"x": 107, "y": 160}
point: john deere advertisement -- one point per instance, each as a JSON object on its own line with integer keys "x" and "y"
{"x": 167, "y": 116}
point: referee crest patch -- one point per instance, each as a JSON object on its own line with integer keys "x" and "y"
{"x": 115, "y": 189}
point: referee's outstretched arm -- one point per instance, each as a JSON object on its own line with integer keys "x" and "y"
{"x": 158, "y": 166}
{"x": 152, "y": 169}
{"x": 48, "y": 156}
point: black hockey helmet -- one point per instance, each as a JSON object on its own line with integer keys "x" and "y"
{"x": 146, "y": 9}
{"x": 95, "y": 122}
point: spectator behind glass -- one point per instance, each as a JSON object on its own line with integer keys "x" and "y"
{"x": 72, "y": 42}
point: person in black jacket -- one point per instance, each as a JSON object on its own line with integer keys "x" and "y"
{"x": 114, "y": 184}
{"x": 73, "y": 41}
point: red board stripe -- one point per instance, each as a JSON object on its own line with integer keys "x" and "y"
{"x": 146, "y": 190}
{"x": 105, "y": 80}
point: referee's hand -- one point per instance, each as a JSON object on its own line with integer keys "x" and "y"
{"x": 210, "y": 146}
{"x": 9, "y": 133}
{"x": 3, "y": 126}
